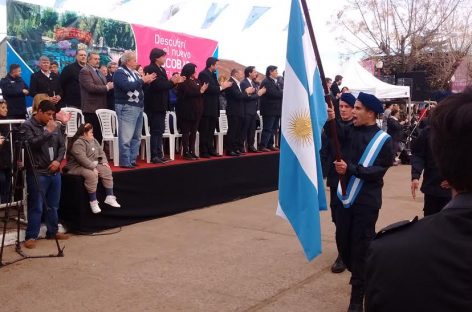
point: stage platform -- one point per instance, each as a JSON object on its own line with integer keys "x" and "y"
{"x": 152, "y": 191}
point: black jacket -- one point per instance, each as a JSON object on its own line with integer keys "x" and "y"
{"x": 70, "y": 85}
{"x": 156, "y": 96}
{"x": 251, "y": 102}
{"x": 12, "y": 91}
{"x": 354, "y": 141}
{"x": 271, "y": 101}
{"x": 211, "y": 97}
{"x": 5, "y": 148}
{"x": 39, "y": 83}
{"x": 422, "y": 161}
{"x": 424, "y": 265}
{"x": 234, "y": 100}
{"x": 394, "y": 129}
{"x": 45, "y": 146}
{"x": 189, "y": 100}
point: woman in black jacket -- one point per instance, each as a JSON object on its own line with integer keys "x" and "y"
{"x": 394, "y": 129}
{"x": 189, "y": 109}
{"x": 5, "y": 156}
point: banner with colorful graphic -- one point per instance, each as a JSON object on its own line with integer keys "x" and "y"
{"x": 34, "y": 30}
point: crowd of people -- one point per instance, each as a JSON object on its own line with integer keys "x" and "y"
{"x": 368, "y": 147}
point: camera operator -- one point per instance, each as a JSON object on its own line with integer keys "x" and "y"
{"x": 45, "y": 138}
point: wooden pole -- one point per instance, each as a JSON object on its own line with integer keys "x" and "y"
{"x": 332, "y": 123}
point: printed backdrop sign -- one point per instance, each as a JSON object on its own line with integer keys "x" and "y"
{"x": 34, "y": 30}
{"x": 181, "y": 48}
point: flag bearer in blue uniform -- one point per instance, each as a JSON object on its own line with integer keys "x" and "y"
{"x": 366, "y": 155}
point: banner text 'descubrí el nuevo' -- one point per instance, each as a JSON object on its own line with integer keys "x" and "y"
{"x": 181, "y": 48}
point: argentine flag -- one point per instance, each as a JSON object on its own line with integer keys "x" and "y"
{"x": 301, "y": 190}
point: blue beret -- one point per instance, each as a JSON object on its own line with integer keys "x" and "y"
{"x": 371, "y": 102}
{"x": 348, "y": 98}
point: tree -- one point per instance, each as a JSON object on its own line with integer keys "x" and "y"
{"x": 408, "y": 35}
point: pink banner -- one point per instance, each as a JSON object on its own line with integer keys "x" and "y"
{"x": 181, "y": 48}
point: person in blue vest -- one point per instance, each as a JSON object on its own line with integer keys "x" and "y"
{"x": 367, "y": 155}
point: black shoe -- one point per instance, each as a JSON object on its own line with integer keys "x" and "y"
{"x": 165, "y": 159}
{"x": 264, "y": 149}
{"x": 240, "y": 152}
{"x": 188, "y": 156}
{"x": 273, "y": 148}
{"x": 157, "y": 160}
{"x": 356, "y": 307}
{"x": 338, "y": 266}
{"x": 214, "y": 154}
{"x": 134, "y": 164}
{"x": 252, "y": 150}
{"x": 193, "y": 155}
{"x": 232, "y": 154}
{"x": 127, "y": 167}
{"x": 205, "y": 155}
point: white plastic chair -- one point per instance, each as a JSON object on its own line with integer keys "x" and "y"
{"x": 109, "y": 126}
{"x": 258, "y": 134}
{"x": 146, "y": 137}
{"x": 223, "y": 130}
{"x": 169, "y": 135}
{"x": 76, "y": 119}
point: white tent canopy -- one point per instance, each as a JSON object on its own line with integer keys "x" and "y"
{"x": 358, "y": 79}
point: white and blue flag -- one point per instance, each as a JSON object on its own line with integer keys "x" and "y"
{"x": 301, "y": 189}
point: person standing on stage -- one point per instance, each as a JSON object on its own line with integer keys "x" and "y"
{"x": 111, "y": 68}
{"x": 14, "y": 90}
{"x": 251, "y": 104}
{"x": 271, "y": 109}
{"x": 46, "y": 82}
{"x": 189, "y": 109}
{"x": 336, "y": 94}
{"x": 235, "y": 114}
{"x": 426, "y": 265}
{"x": 346, "y": 105}
{"x": 211, "y": 107}
{"x": 367, "y": 156}
{"x": 129, "y": 106}
{"x": 156, "y": 102}
{"x": 93, "y": 90}
{"x": 70, "y": 80}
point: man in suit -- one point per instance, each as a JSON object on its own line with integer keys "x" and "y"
{"x": 93, "y": 92}
{"x": 46, "y": 82}
{"x": 426, "y": 265}
{"x": 211, "y": 107}
{"x": 70, "y": 80}
{"x": 111, "y": 68}
{"x": 156, "y": 102}
{"x": 336, "y": 94}
{"x": 251, "y": 103}
{"x": 271, "y": 109}
{"x": 235, "y": 113}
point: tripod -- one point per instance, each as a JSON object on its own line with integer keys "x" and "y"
{"x": 21, "y": 144}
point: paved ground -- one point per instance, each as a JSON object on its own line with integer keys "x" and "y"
{"x": 233, "y": 257}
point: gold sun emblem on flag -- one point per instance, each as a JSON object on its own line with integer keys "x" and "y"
{"x": 299, "y": 127}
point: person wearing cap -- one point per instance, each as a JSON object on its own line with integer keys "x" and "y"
{"x": 156, "y": 101}
{"x": 211, "y": 107}
{"x": 367, "y": 155}
{"x": 328, "y": 152}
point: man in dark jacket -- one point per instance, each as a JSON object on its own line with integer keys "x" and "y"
{"x": 156, "y": 102}
{"x": 336, "y": 94}
{"x": 271, "y": 109}
{"x": 235, "y": 114}
{"x": 437, "y": 192}
{"x": 45, "y": 138}
{"x": 251, "y": 104}
{"x": 211, "y": 107}
{"x": 46, "y": 82}
{"x": 426, "y": 265}
{"x": 14, "y": 91}
{"x": 70, "y": 80}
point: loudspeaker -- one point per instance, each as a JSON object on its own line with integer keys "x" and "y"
{"x": 419, "y": 90}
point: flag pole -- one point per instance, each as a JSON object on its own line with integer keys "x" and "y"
{"x": 332, "y": 123}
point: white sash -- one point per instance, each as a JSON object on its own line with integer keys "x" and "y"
{"x": 367, "y": 160}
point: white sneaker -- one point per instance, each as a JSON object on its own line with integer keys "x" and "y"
{"x": 111, "y": 200}
{"x": 95, "y": 207}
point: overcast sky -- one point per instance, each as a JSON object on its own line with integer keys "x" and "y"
{"x": 263, "y": 44}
